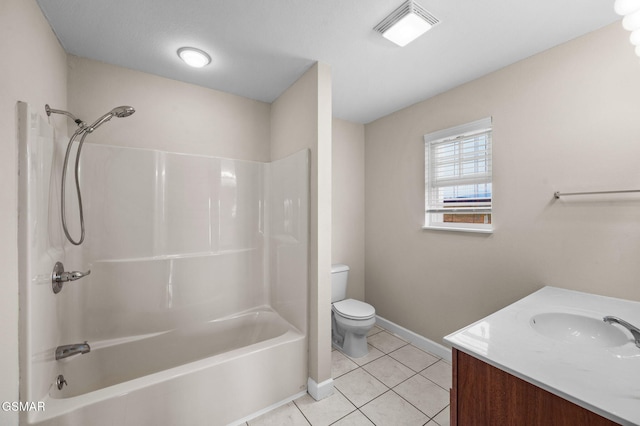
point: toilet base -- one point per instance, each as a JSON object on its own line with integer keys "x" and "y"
{"x": 351, "y": 344}
{"x": 353, "y": 347}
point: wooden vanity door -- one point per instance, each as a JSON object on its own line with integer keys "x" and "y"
{"x": 485, "y": 395}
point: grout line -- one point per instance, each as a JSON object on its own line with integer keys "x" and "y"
{"x": 417, "y": 372}
{"x": 375, "y": 378}
{"x": 404, "y": 381}
{"x": 367, "y": 417}
{"x": 440, "y": 386}
{"x": 439, "y": 413}
{"x": 408, "y": 402}
{"x": 350, "y": 412}
{"x": 399, "y": 347}
{"x": 435, "y": 383}
{"x": 301, "y": 412}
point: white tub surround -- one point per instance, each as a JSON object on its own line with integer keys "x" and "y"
{"x": 196, "y": 306}
{"x": 594, "y": 372}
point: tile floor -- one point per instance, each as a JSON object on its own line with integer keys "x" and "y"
{"x": 395, "y": 384}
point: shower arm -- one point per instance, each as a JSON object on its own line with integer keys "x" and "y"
{"x": 76, "y": 120}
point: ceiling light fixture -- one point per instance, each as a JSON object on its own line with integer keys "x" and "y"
{"x": 194, "y": 57}
{"x": 406, "y": 23}
{"x": 630, "y": 9}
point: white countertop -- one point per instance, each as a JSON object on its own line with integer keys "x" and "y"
{"x": 605, "y": 380}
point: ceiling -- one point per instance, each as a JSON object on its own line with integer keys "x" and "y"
{"x": 260, "y": 47}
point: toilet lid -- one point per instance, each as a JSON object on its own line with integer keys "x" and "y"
{"x": 354, "y": 309}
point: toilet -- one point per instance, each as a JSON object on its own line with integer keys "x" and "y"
{"x": 351, "y": 319}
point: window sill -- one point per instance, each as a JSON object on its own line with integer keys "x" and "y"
{"x": 451, "y": 228}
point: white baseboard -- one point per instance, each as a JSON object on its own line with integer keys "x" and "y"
{"x": 320, "y": 390}
{"x": 415, "y": 339}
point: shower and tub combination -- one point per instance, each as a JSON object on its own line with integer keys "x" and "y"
{"x": 192, "y": 307}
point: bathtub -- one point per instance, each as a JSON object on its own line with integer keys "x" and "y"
{"x": 211, "y": 373}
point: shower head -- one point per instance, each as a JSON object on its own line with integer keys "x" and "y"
{"x": 121, "y": 111}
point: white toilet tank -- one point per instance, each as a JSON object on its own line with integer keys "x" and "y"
{"x": 339, "y": 278}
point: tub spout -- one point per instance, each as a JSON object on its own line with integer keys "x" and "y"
{"x": 65, "y": 351}
{"x": 633, "y": 329}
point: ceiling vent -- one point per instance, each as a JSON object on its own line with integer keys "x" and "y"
{"x": 406, "y": 23}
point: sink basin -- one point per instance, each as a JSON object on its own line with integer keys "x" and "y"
{"x": 578, "y": 329}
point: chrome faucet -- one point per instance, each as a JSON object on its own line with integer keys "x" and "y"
{"x": 634, "y": 330}
{"x": 65, "y": 351}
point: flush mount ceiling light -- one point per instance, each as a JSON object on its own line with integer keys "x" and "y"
{"x": 406, "y": 23}
{"x": 630, "y": 9}
{"x": 194, "y": 57}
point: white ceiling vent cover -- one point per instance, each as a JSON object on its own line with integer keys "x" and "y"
{"x": 406, "y": 23}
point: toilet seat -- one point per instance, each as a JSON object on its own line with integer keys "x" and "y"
{"x": 354, "y": 309}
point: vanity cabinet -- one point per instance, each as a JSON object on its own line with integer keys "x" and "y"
{"x": 485, "y": 395}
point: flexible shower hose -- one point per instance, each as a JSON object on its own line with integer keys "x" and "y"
{"x": 64, "y": 177}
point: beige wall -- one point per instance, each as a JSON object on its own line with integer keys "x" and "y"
{"x": 301, "y": 118}
{"x": 564, "y": 120}
{"x": 33, "y": 70}
{"x": 347, "y": 203}
{"x": 170, "y": 115}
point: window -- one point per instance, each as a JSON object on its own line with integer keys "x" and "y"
{"x": 458, "y": 177}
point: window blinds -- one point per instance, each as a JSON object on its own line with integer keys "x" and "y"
{"x": 458, "y": 169}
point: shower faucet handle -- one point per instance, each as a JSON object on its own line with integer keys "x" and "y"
{"x": 59, "y": 276}
{"x": 75, "y": 275}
